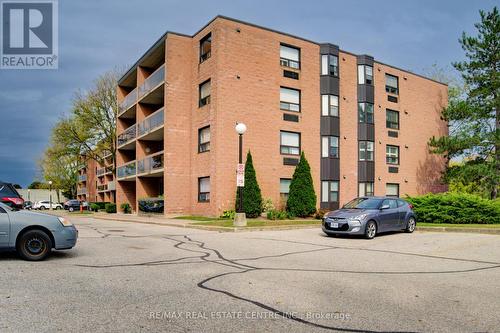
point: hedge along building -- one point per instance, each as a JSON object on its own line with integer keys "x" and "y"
{"x": 362, "y": 124}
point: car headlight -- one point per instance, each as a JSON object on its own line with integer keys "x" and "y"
{"x": 358, "y": 217}
{"x": 65, "y": 222}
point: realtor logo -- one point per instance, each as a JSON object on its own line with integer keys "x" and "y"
{"x": 29, "y": 33}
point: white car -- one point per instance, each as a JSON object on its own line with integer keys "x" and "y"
{"x": 42, "y": 205}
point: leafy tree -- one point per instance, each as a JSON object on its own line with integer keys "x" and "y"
{"x": 252, "y": 197}
{"x": 474, "y": 117}
{"x": 301, "y": 197}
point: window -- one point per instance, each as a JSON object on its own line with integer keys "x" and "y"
{"x": 204, "y": 189}
{"x": 391, "y": 203}
{"x": 365, "y": 74}
{"x": 289, "y": 99}
{"x": 290, "y": 143}
{"x": 291, "y": 74}
{"x": 366, "y": 150}
{"x": 205, "y": 93}
{"x": 289, "y": 56}
{"x": 391, "y": 84}
{"x": 329, "y": 65}
{"x": 365, "y": 113}
{"x": 365, "y": 189}
{"x": 392, "y": 154}
{"x": 329, "y": 191}
{"x": 285, "y": 188}
{"x": 392, "y": 119}
{"x": 330, "y": 146}
{"x": 204, "y": 139}
{"x": 330, "y": 105}
{"x": 392, "y": 190}
{"x": 205, "y": 47}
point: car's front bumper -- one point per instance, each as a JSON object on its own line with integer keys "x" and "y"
{"x": 343, "y": 227}
{"x": 65, "y": 238}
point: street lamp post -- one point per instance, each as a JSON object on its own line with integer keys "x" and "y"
{"x": 50, "y": 194}
{"x": 240, "y": 218}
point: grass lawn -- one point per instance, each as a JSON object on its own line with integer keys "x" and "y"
{"x": 258, "y": 222}
{"x": 452, "y": 225}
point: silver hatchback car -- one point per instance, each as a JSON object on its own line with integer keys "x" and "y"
{"x": 370, "y": 215}
{"x": 34, "y": 235}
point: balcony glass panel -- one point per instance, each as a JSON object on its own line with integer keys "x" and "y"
{"x": 128, "y": 101}
{"x": 82, "y": 178}
{"x": 111, "y": 186}
{"x": 150, "y": 163}
{"x": 126, "y": 170}
{"x": 153, "y": 121}
{"x": 129, "y": 134}
{"x": 152, "y": 81}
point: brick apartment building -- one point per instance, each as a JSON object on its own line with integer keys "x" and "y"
{"x": 362, "y": 124}
{"x": 96, "y": 181}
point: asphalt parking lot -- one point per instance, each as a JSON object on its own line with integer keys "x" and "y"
{"x": 137, "y": 277}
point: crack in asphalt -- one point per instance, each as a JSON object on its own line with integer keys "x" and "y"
{"x": 204, "y": 252}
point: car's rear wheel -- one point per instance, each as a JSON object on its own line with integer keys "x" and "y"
{"x": 34, "y": 245}
{"x": 58, "y": 207}
{"x": 411, "y": 225}
{"x": 371, "y": 230}
{"x": 42, "y": 207}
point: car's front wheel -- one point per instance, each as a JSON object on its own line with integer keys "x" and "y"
{"x": 34, "y": 245}
{"x": 410, "y": 227}
{"x": 371, "y": 229}
{"x": 71, "y": 209}
{"x": 42, "y": 207}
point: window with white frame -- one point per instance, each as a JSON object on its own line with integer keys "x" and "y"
{"x": 289, "y": 143}
{"x": 289, "y": 99}
{"x": 204, "y": 139}
{"x": 392, "y": 154}
{"x": 329, "y": 65}
{"x": 365, "y": 189}
{"x": 391, "y": 84}
{"x": 329, "y": 191}
{"x": 365, "y": 113}
{"x": 365, "y": 74}
{"x": 289, "y": 56}
{"x": 330, "y": 105}
{"x": 204, "y": 189}
{"x": 392, "y": 190}
{"x": 366, "y": 150}
{"x": 330, "y": 146}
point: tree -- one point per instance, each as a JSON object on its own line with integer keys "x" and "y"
{"x": 474, "y": 117}
{"x": 35, "y": 185}
{"x": 252, "y": 197}
{"x": 301, "y": 197}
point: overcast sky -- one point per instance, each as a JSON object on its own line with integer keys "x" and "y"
{"x": 97, "y": 35}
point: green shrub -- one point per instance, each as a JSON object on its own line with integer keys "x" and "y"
{"x": 126, "y": 208}
{"x": 100, "y": 205}
{"x": 110, "y": 208}
{"x": 267, "y": 205}
{"x": 228, "y": 214}
{"x": 301, "y": 198}
{"x": 320, "y": 213}
{"x": 94, "y": 207}
{"x": 274, "y": 214}
{"x": 252, "y": 197}
{"x": 458, "y": 208}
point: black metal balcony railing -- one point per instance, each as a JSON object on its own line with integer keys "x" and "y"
{"x": 150, "y": 163}
{"x": 129, "y": 134}
{"x": 155, "y": 79}
{"x": 126, "y": 170}
{"x": 151, "y": 122}
{"x": 128, "y": 101}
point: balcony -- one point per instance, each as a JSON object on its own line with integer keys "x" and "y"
{"x": 81, "y": 191}
{"x": 126, "y": 171}
{"x": 125, "y": 109}
{"x": 82, "y": 178}
{"x": 154, "y": 81}
{"x": 112, "y": 186}
{"x": 150, "y": 128}
{"x": 126, "y": 139}
{"x": 151, "y": 166}
{"x": 102, "y": 188}
{"x": 104, "y": 171}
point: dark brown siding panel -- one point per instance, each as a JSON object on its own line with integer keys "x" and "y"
{"x": 366, "y": 132}
{"x": 330, "y": 168}
{"x": 329, "y": 85}
{"x": 329, "y": 205}
{"x": 330, "y": 126}
{"x": 366, "y": 171}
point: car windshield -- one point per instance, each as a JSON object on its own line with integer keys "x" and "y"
{"x": 363, "y": 203}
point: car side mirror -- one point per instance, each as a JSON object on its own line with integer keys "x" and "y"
{"x": 384, "y": 207}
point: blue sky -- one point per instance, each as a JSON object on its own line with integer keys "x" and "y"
{"x": 95, "y": 36}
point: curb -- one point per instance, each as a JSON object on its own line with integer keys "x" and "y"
{"x": 462, "y": 230}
